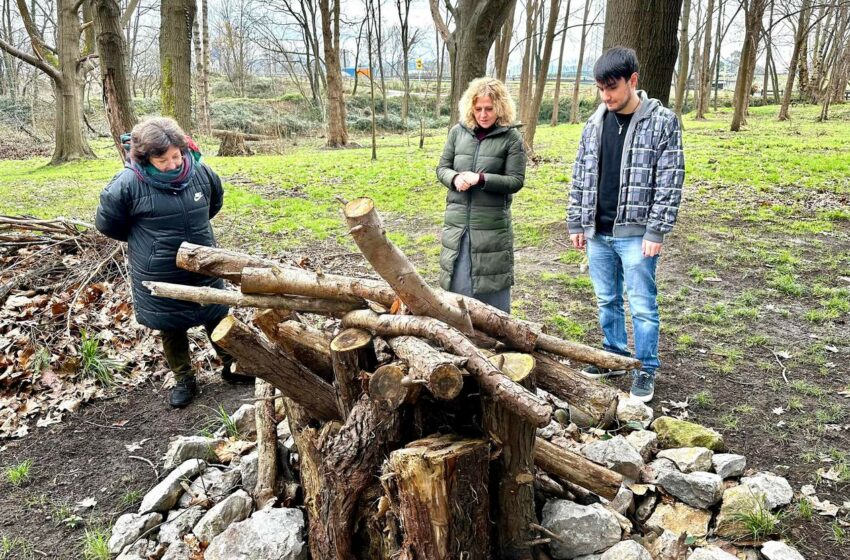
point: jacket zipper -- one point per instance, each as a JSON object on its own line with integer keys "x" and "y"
{"x": 469, "y": 192}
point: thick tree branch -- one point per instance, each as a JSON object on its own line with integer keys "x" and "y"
{"x": 38, "y": 44}
{"x": 128, "y": 13}
{"x": 438, "y": 20}
{"x": 41, "y": 64}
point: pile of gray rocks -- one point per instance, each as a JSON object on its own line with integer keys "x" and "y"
{"x": 683, "y": 498}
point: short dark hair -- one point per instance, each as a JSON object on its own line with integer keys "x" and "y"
{"x": 153, "y": 137}
{"x": 615, "y": 63}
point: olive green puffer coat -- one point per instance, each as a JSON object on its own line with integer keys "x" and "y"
{"x": 483, "y": 211}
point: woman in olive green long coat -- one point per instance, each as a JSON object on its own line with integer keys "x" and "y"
{"x": 482, "y": 166}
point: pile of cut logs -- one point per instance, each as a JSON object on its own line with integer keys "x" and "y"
{"x": 417, "y": 423}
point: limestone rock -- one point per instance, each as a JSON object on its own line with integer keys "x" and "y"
{"x": 689, "y": 459}
{"x": 623, "y": 502}
{"x": 644, "y": 441}
{"x": 737, "y": 501}
{"x": 699, "y": 489}
{"x": 584, "y": 529}
{"x": 211, "y": 487}
{"x": 617, "y": 454}
{"x": 681, "y": 433}
{"x": 129, "y": 527}
{"x": 164, "y": 495}
{"x": 645, "y": 507}
{"x": 141, "y": 550}
{"x": 776, "y": 489}
{"x": 269, "y": 533}
{"x": 245, "y": 422}
{"x": 190, "y": 447}
{"x": 626, "y": 550}
{"x": 778, "y": 550}
{"x": 659, "y": 467}
{"x": 248, "y": 468}
{"x": 680, "y": 518}
{"x": 633, "y": 410}
{"x": 178, "y": 551}
{"x": 235, "y": 507}
{"x": 728, "y": 465}
{"x": 711, "y": 553}
{"x": 179, "y": 523}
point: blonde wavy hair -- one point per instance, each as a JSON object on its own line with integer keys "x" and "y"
{"x": 498, "y": 94}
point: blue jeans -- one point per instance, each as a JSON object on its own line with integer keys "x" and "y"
{"x": 611, "y": 261}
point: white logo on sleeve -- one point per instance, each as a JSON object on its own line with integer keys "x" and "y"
{"x": 198, "y": 196}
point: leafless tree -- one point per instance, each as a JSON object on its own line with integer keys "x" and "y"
{"x": 534, "y": 107}
{"x": 753, "y": 14}
{"x": 337, "y": 132}
{"x": 557, "y": 93}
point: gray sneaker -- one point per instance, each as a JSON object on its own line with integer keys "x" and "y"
{"x": 643, "y": 385}
{"x": 595, "y": 372}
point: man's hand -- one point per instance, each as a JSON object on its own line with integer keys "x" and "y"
{"x": 578, "y": 241}
{"x": 651, "y": 248}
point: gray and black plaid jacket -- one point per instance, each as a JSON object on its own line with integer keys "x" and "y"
{"x": 652, "y": 172}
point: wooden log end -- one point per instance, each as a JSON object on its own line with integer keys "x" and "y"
{"x": 386, "y": 387}
{"x": 515, "y": 365}
{"x": 359, "y": 207}
{"x": 446, "y": 382}
{"x": 351, "y": 339}
{"x": 222, "y": 329}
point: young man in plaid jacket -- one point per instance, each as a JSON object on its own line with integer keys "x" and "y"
{"x": 625, "y": 195}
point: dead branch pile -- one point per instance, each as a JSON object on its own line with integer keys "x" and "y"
{"x": 416, "y": 415}
{"x": 60, "y": 281}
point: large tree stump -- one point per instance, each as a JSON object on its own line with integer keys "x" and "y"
{"x": 512, "y": 473}
{"x": 259, "y": 358}
{"x": 436, "y": 370}
{"x": 442, "y": 498}
{"x": 233, "y": 144}
{"x": 352, "y": 352}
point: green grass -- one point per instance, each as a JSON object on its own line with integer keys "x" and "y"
{"x": 95, "y": 544}
{"x": 761, "y": 522}
{"x": 16, "y": 549}
{"x": 94, "y": 362}
{"x": 703, "y": 398}
{"x": 18, "y": 475}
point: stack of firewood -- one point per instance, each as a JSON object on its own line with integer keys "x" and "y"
{"x": 417, "y": 422}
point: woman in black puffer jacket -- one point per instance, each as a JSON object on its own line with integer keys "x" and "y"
{"x": 163, "y": 197}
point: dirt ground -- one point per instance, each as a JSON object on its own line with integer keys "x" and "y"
{"x": 87, "y": 456}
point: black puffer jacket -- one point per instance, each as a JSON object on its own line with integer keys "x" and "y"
{"x": 154, "y": 219}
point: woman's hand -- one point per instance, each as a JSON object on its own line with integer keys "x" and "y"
{"x": 465, "y": 180}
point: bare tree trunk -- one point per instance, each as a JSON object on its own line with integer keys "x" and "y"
{"x": 378, "y": 33}
{"x": 477, "y": 22}
{"x": 768, "y": 60}
{"x": 557, "y": 94}
{"x": 534, "y": 107}
{"x": 649, "y": 27}
{"x": 441, "y": 64}
{"x": 684, "y": 55}
{"x": 204, "y": 76}
{"x": 502, "y": 46}
{"x": 704, "y": 82}
{"x": 574, "y": 105}
{"x": 754, "y": 13}
{"x": 357, "y": 58}
{"x": 112, "y": 52}
{"x": 175, "y": 56}
{"x": 715, "y": 63}
{"x": 527, "y": 74}
{"x": 337, "y": 133}
{"x": 403, "y": 7}
{"x": 369, "y": 31}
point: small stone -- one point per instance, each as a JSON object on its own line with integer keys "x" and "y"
{"x": 617, "y": 454}
{"x": 210, "y": 488}
{"x": 244, "y": 421}
{"x": 680, "y": 433}
{"x": 659, "y": 467}
{"x": 680, "y": 518}
{"x": 738, "y": 501}
{"x": 623, "y": 502}
{"x": 583, "y": 529}
{"x": 699, "y": 489}
{"x": 177, "y": 551}
{"x": 644, "y": 441}
{"x": 729, "y": 465}
{"x": 633, "y": 410}
{"x": 776, "y": 489}
{"x": 645, "y": 507}
{"x": 689, "y": 459}
{"x": 235, "y": 507}
{"x": 778, "y": 550}
{"x": 130, "y": 527}
{"x": 179, "y": 523}
{"x": 190, "y": 447}
{"x": 711, "y": 553}
{"x": 164, "y": 495}
{"x": 626, "y": 550}
{"x": 141, "y": 550}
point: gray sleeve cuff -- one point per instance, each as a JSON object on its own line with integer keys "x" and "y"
{"x": 654, "y": 236}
